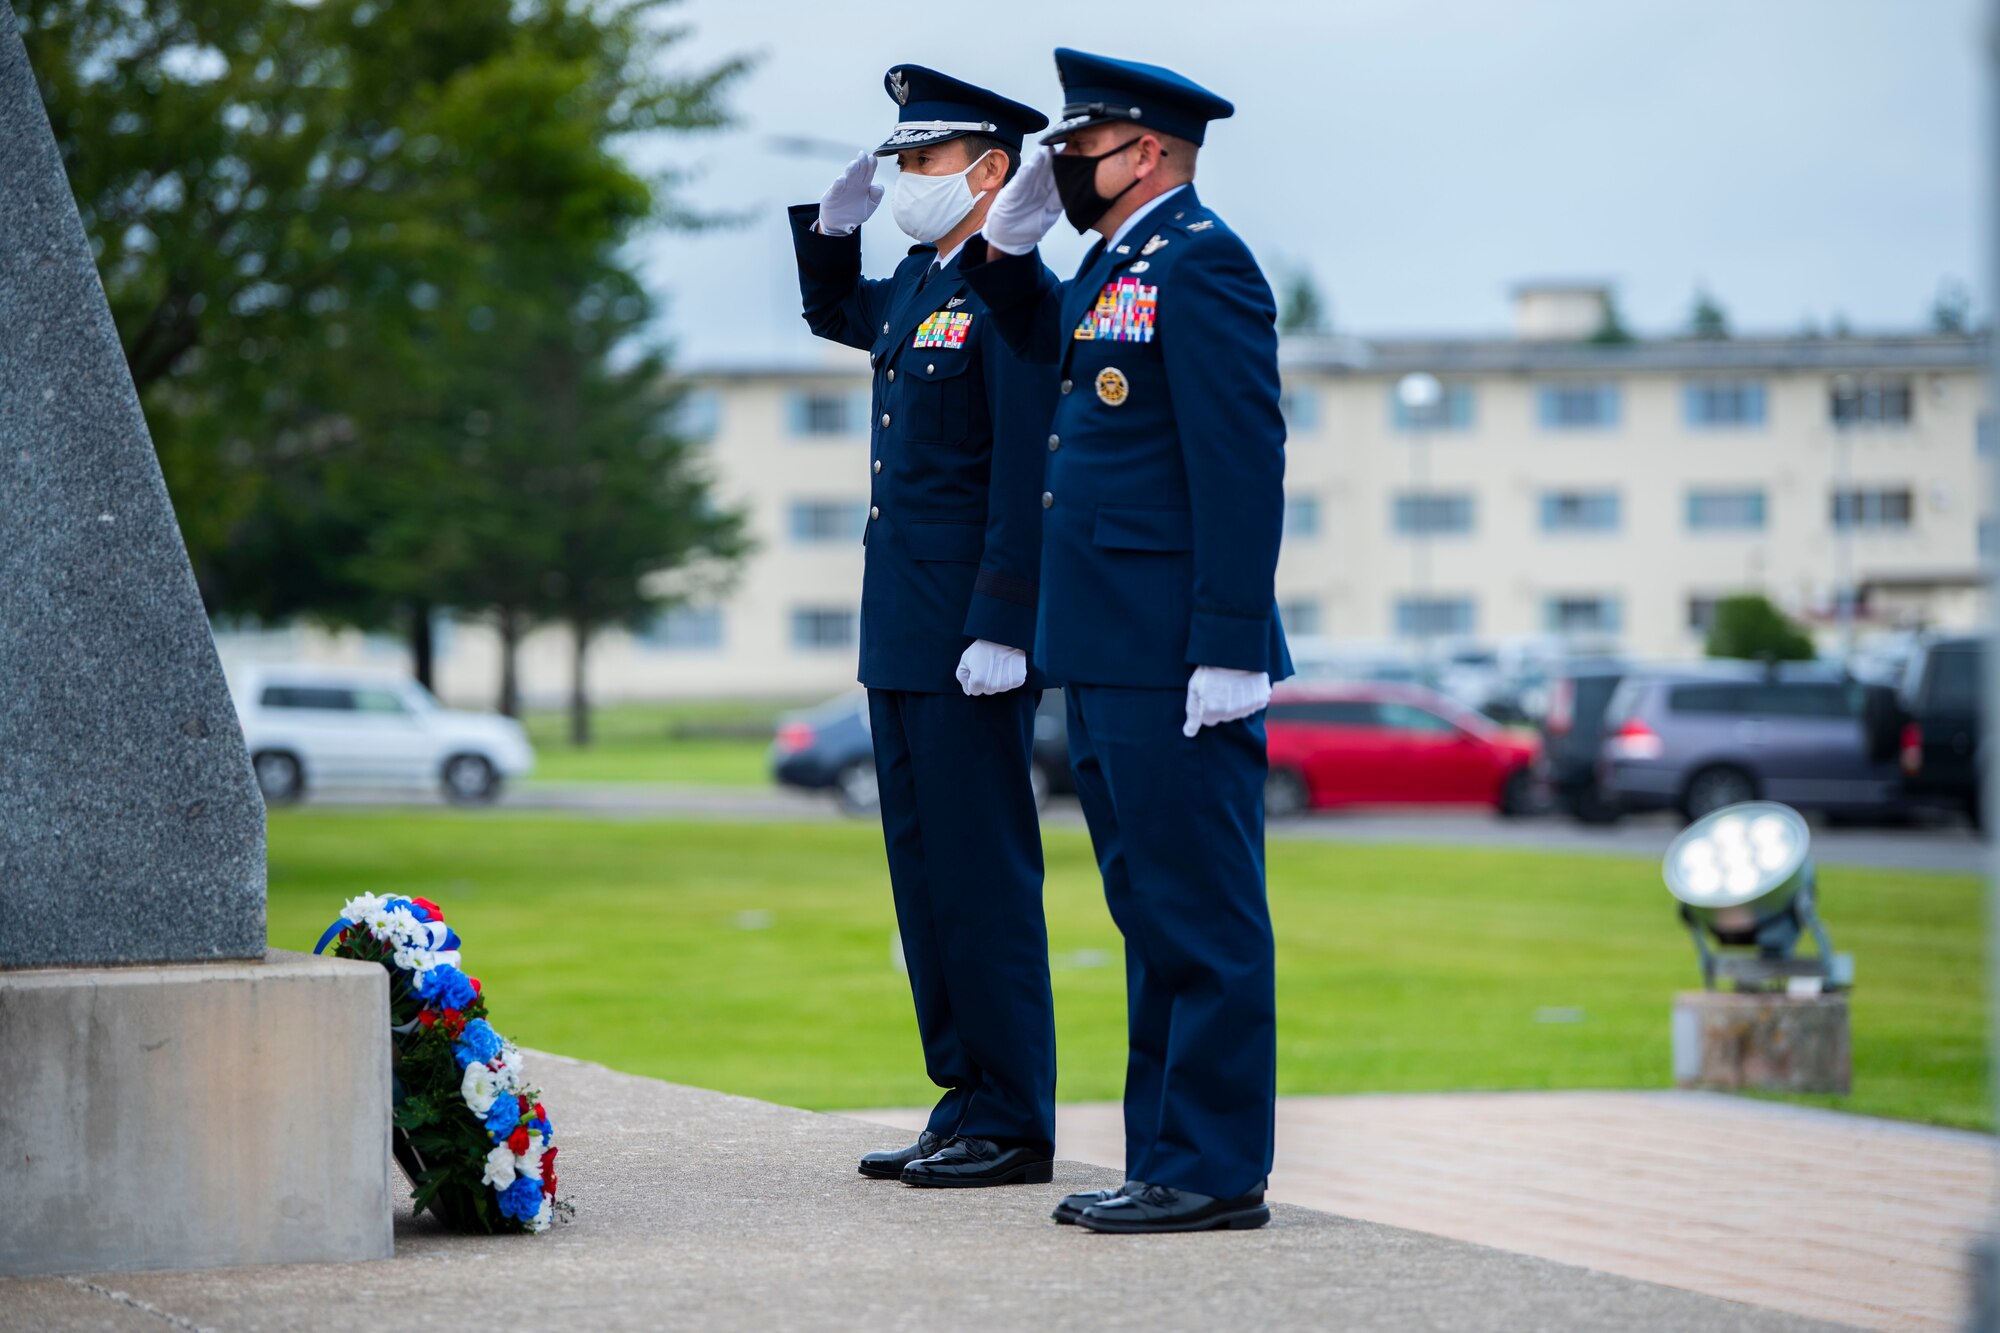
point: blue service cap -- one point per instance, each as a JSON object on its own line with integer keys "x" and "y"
{"x": 1097, "y": 89}
{"x": 933, "y": 107}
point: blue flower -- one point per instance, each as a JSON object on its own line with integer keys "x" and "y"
{"x": 506, "y": 1114}
{"x": 479, "y": 1042}
{"x": 522, "y": 1199}
{"x": 445, "y": 987}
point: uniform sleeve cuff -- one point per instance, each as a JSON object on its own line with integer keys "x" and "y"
{"x": 996, "y": 621}
{"x": 1241, "y": 643}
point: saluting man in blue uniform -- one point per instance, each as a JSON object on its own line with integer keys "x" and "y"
{"x": 947, "y": 619}
{"x": 1162, "y": 506}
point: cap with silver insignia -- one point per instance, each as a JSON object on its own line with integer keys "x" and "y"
{"x": 934, "y": 108}
{"x": 1098, "y": 89}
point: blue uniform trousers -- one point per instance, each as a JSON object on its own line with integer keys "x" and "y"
{"x": 965, "y": 864}
{"x": 1178, "y": 827}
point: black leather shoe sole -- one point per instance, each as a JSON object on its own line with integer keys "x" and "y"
{"x": 883, "y": 1171}
{"x": 1066, "y": 1215}
{"x": 1028, "y": 1173}
{"x": 1243, "y": 1219}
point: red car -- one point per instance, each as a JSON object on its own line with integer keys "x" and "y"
{"x": 1365, "y": 743}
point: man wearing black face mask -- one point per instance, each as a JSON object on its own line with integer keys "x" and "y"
{"x": 1162, "y": 509}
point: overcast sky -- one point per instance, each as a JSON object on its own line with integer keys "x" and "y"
{"x": 1801, "y": 158}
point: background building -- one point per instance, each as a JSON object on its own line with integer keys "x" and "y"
{"x": 1559, "y": 487}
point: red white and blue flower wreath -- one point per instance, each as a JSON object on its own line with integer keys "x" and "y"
{"x": 469, "y": 1130}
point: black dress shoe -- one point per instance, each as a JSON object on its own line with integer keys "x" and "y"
{"x": 1073, "y": 1204}
{"x": 889, "y": 1165}
{"x": 1163, "y": 1208}
{"x": 964, "y": 1163}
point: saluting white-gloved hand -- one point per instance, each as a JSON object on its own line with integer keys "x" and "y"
{"x": 852, "y": 198}
{"x": 1223, "y": 694}
{"x": 1026, "y": 207}
{"x": 991, "y": 668}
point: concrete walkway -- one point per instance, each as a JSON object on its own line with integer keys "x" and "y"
{"x": 1840, "y": 1217}
{"x": 697, "y": 1210}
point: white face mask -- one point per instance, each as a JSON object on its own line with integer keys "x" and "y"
{"x": 926, "y": 207}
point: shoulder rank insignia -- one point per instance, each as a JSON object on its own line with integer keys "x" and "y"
{"x": 1112, "y": 387}
{"x": 1157, "y": 243}
{"x": 1202, "y": 225}
{"x": 943, "y": 328}
{"x": 1125, "y": 312}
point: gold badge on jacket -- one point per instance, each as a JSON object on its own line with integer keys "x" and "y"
{"x": 1112, "y": 388}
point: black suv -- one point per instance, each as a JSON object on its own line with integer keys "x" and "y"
{"x": 1571, "y": 728}
{"x": 1942, "y": 720}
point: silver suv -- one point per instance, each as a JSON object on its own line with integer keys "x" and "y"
{"x": 1698, "y": 739}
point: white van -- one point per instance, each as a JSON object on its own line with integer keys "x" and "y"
{"x": 321, "y": 727}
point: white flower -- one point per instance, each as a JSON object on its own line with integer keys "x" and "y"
{"x": 499, "y": 1168}
{"x": 479, "y": 1088}
{"x": 510, "y": 1055}
{"x": 543, "y": 1215}
{"x": 529, "y": 1163}
{"x": 360, "y": 909}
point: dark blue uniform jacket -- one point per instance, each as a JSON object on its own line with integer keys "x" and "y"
{"x": 1164, "y": 494}
{"x": 957, "y": 428}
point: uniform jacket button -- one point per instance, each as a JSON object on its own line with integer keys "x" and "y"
{"x": 1048, "y": 500}
{"x": 1067, "y": 386}
{"x": 885, "y": 418}
{"x": 874, "y": 511}
{"x": 931, "y": 369}
{"x": 1055, "y": 443}
{"x": 878, "y": 466}
{"x": 892, "y": 377}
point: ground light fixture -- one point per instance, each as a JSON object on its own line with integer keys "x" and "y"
{"x": 1748, "y": 893}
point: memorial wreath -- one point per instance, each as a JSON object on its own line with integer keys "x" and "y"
{"x": 468, "y": 1128}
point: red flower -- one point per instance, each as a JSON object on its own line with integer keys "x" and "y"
{"x": 549, "y": 1173}
{"x": 476, "y": 989}
{"x": 523, "y": 1100}
{"x": 517, "y": 1142}
{"x": 428, "y": 1017}
{"x": 437, "y": 913}
{"x": 454, "y": 1023}
{"x": 540, "y": 1114}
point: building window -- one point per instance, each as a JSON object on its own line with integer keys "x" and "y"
{"x": 1581, "y": 615}
{"x": 1299, "y": 617}
{"x": 1701, "y": 614}
{"x": 1580, "y": 511}
{"x": 1428, "y": 513}
{"x": 698, "y": 415}
{"x": 684, "y": 629}
{"x": 1871, "y": 400}
{"x": 1724, "y": 403}
{"x": 814, "y": 521}
{"x": 1301, "y": 517}
{"x": 1423, "y": 617}
{"x": 1878, "y": 509}
{"x": 829, "y": 412}
{"x": 1983, "y": 433}
{"x": 1452, "y": 410}
{"x": 1301, "y": 408}
{"x": 1578, "y": 406}
{"x": 818, "y": 628}
{"x": 1725, "y": 511}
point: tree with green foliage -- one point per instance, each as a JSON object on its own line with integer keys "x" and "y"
{"x": 1301, "y": 309}
{"x": 335, "y": 237}
{"x": 1951, "y": 309}
{"x": 1611, "y": 330}
{"x": 1750, "y": 625}
{"x": 1707, "y": 319}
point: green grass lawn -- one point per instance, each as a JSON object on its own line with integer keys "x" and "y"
{"x": 651, "y": 743}
{"x": 756, "y": 958}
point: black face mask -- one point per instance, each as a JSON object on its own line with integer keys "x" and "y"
{"x": 1076, "y": 185}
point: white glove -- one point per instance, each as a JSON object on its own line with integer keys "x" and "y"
{"x": 991, "y": 668}
{"x": 1026, "y": 207}
{"x": 852, "y": 198}
{"x": 1223, "y": 694}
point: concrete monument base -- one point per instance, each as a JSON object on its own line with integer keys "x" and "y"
{"x": 1729, "y": 1041}
{"x": 194, "y": 1116}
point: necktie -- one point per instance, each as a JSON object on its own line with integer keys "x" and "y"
{"x": 929, "y": 273}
